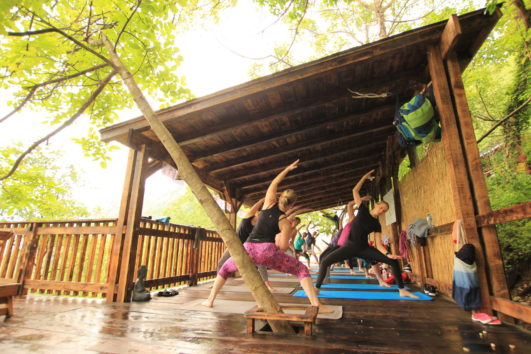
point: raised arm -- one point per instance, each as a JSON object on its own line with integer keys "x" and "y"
{"x": 357, "y": 187}
{"x": 350, "y": 210}
{"x": 271, "y": 194}
{"x": 254, "y": 209}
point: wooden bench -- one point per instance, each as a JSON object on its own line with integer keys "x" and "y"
{"x": 7, "y": 291}
{"x": 308, "y": 318}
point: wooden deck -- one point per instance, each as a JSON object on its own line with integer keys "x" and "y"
{"x": 49, "y": 324}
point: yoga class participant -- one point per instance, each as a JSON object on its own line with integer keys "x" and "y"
{"x": 261, "y": 243}
{"x": 357, "y": 245}
{"x": 245, "y": 228}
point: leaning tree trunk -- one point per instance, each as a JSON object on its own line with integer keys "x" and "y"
{"x": 246, "y": 267}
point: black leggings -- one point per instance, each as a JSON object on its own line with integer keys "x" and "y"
{"x": 350, "y": 250}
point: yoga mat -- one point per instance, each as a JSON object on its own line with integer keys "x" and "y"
{"x": 331, "y": 277}
{"x": 230, "y": 306}
{"x": 240, "y": 288}
{"x": 345, "y": 277}
{"x": 359, "y": 286}
{"x": 364, "y": 295}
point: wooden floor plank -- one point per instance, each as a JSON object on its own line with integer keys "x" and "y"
{"x": 45, "y": 324}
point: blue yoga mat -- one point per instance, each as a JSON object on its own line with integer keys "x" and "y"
{"x": 345, "y": 277}
{"x": 359, "y": 286}
{"x": 367, "y": 295}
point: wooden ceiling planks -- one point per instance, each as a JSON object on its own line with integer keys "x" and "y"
{"x": 241, "y": 137}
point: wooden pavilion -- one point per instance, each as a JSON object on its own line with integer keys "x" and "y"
{"x": 238, "y": 139}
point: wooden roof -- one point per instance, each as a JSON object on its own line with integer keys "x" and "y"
{"x": 241, "y": 137}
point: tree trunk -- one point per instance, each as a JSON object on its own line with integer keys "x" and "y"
{"x": 246, "y": 267}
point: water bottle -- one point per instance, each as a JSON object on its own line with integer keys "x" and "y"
{"x": 429, "y": 220}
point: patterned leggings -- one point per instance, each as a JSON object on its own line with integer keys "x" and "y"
{"x": 267, "y": 254}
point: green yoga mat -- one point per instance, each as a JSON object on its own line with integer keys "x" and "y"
{"x": 364, "y": 295}
{"x": 359, "y": 286}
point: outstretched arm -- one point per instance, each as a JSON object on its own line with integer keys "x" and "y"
{"x": 357, "y": 187}
{"x": 271, "y": 194}
{"x": 254, "y": 208}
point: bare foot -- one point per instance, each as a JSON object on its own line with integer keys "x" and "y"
{"x": 384, "y": 284}
{"x": 325, "y": 309}
{"x": 207, "y": 303}
{"x": 406, "y": 293}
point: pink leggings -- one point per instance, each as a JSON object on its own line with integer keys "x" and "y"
{"x": 267, "y": 254}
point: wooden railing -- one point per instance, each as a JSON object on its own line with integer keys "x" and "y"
{"x": 73, "y": 257}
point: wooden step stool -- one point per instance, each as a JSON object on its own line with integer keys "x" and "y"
{"x": 308, "y": 318}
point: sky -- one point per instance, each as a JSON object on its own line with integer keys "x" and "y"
{"x": 213, "y": 60}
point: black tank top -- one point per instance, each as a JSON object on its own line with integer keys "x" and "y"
{"x": 266, "y": 227}
{"x": 245, "y": 229}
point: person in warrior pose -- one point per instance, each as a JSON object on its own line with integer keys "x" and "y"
{"x": 245, "y": 228}
{"x": 357, "y": 245}
{"x": 261, "y": 243}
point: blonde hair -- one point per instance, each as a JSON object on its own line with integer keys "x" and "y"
{"x": 288, "y": 197}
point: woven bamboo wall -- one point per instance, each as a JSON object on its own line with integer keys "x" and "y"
{"x": 427, "y": 189}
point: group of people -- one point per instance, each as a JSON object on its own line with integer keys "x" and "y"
{"x": 270, "y": 226}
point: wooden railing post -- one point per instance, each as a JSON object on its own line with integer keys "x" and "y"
{"x": 30, "y": 249}
{"x": 456, "y": 166}
{"x": 133, "y": 211}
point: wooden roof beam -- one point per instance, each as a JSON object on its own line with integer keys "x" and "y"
{"x": 314, "y": 157}
{"x": 348, "y": 177}
{"x": 302, "y": 176}
{"x": 269, "y": 172}
{"x": 262, "y": 140}
{"x": 337, "y": 138}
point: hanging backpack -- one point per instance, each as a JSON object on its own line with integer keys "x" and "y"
{"x": 416, "y": 122}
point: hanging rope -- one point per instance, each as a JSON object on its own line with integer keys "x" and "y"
{"x": 368, "y": 95}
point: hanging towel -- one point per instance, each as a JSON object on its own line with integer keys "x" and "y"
{"x": 465, "y": 284}
{"x": 403, "y": 247}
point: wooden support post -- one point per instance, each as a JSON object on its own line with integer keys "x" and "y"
{"x": 456, "y": 165}
{"x": 119, "y": 233}
{"x": 450, "y": 36}
{"x": 131, "y": 233}
{"x": 477, "y": 178}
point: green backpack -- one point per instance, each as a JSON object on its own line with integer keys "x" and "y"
{"x": 415, "y": 120}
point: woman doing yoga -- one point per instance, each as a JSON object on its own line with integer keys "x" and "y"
{"x": 357, "y": 245}
{"x": 261, "y": 242}
{"x": 245, "y": 228}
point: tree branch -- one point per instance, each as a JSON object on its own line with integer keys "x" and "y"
{"x": 57, "y": 30}
{"x": 127, "y": 22}
{"x": 22, "y": 104}
{"x": 504, "y": 119}
{"x": 34, "y": 88}
{"x": 79, "y": 112}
